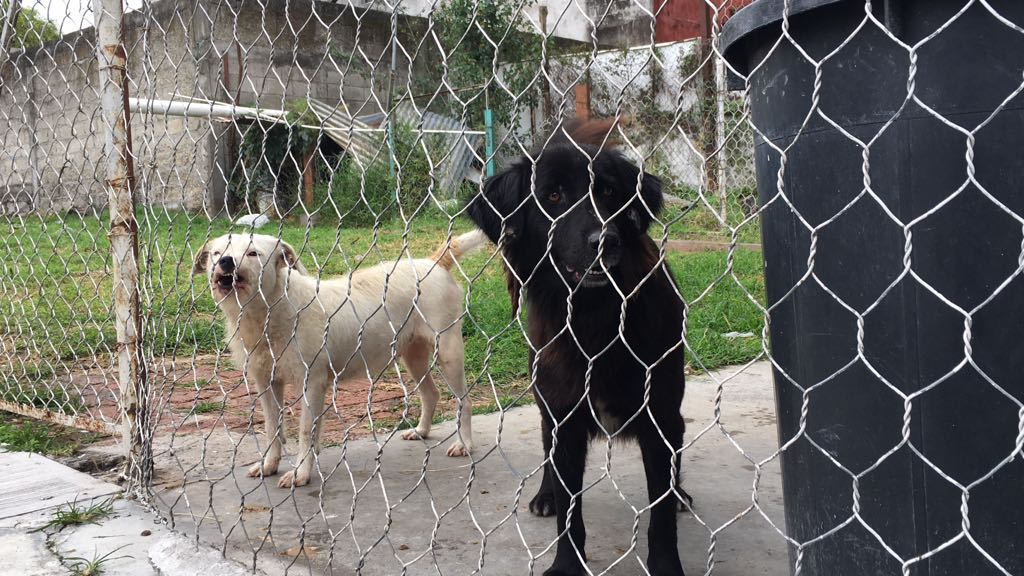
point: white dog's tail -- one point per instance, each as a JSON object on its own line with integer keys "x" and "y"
{"x": 459, "y": 246}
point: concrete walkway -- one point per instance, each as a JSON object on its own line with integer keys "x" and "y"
{"x": 32, "y": 488}
{"x": 390, "y": 506}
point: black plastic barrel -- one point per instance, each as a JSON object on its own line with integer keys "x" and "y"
{"x": 961, "y": 198}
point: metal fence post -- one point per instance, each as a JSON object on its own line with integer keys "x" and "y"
{"x": 124, "y": 245}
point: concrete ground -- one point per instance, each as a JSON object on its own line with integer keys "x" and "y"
{"x": 33, "y": 488}
{"x": 385, "y": 506}
{"x": 127, "y": 541}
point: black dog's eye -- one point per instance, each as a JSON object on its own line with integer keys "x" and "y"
{"x": 555, "y": 197}
{"x": 252, "y": 253}
{"x": 608, "y": 192}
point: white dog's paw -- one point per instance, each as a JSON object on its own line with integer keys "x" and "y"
{"x": 415, "y": 434}
{"x": 259, "y": 469}
{"x": 293, "y": 478}
{"x": 458, "y": 450}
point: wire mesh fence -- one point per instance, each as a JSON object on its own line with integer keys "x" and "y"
{"x": 353, "y": 291}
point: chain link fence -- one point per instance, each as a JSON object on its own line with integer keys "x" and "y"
{"x": 145, "y": 144}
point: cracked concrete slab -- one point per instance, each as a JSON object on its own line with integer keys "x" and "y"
{"x": 30, "y": 482}
{"x": 374, "y": 507}
{"x": 131, "y": 538}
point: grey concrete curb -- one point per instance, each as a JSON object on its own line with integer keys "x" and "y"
{"x": 176, "y": 555}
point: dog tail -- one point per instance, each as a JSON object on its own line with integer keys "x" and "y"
{"x": 459, "y": 246}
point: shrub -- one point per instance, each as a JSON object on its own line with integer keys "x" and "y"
{"x": 270, "y": 159}
{"x": 360, "y": 194}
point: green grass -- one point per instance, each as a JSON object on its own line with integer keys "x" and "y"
{"x": 56, "y": 292}
{"x": 75, "y": 514}
{"x": 703, "y": 222}
{"x": 207, "y": 407}
{"x": 720, "y": 302}
{"x": 20, "y": 434}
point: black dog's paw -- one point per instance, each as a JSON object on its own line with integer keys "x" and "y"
{"x": 665, "y": 565}
{"x": 543, "y": 504}
{"x": 686, "y": 504}
{"x": 559, "y": 572}
{"x": 674, "y": 571}
{"x": 570, "y": 568}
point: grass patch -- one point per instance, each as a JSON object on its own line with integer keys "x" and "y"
{"x": 702, "y": 222}
{"x": 35, "y": 386}
{"x": 59, "y": 308}
{"x": 41, "y": 396}
{"x": 206, "y": 407}
{"x": 721, "y": 301}
{"x": 20, "y": 434}
{"x": 75, "y": 514}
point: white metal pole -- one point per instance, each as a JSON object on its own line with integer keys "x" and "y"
{"x": 124, "y": 245}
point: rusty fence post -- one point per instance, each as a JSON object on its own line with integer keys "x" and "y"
{"x": 124, "y": 246}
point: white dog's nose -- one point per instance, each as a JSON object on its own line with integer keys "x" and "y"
{"x": 226, "y": 264}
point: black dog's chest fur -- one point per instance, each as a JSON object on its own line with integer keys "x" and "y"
{"x": 652, "y": 326}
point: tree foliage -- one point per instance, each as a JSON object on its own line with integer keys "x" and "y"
{"x": 489, "y": 45}
{"x": 32, "y": 28}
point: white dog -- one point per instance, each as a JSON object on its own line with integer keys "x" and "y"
{"x": 284, "y": 326}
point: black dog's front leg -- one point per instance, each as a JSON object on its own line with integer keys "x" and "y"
{"x": 543, "y": 504}
{"x": 566, "y": 466}
{"x": 663, "y": 554}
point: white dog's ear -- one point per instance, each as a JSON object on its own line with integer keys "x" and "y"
{"x": 202, "y": 258}
{"x": 290, "y": 258}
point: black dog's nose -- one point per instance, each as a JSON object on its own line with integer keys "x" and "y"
{"x": 227, "y": 264}
{"x": 611, "y": 239}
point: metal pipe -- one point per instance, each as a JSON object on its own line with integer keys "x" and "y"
{"x": 488, "y": 134}
{"x": 124, "y": 247}
{"x": 207, "y": 110}
{"x": 489, "y": 140}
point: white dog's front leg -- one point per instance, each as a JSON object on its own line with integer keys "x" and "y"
{"x": 271, "y": 400}
{"x": 309, "y": 436}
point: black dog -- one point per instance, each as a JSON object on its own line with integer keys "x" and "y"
{"x": 572, "y": 291}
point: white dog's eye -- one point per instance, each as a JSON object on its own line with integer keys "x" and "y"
{"x": 253, "y": 253}
{"x": 216, "y": 253}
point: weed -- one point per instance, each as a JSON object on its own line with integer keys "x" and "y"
{"x": 206, "y": 407}
{"x": 91, "y": 567}
{"x": 75, "y": 514}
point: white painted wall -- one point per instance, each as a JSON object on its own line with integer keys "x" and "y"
{"x": 567, "y": 19}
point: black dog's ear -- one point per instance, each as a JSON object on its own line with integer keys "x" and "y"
{"x": 501, "y": 202}
{"x": 650, "y": 191}
{"x": 644, "y": 208}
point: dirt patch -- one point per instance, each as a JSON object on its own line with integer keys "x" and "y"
{"x": 202, "y": 394}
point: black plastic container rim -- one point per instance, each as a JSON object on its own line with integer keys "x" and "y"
{"x": 761, "y": 14}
